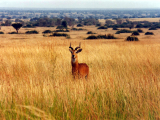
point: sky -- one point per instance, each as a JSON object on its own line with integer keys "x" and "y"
{"x": 80, "y": 4}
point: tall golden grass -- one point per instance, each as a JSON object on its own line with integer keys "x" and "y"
{"x": 36, "y": 80}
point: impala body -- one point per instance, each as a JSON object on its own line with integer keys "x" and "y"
{"x": 79, "y": 70}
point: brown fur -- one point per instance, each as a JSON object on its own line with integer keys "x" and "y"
{"x": 79, "y": 70}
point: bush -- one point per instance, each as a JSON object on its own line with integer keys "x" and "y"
{"x": 109, "y": 36}
{"x": 77, "y": 29}
{"x": 123, "y": 31}
{"x": 90, "y": 32}
{"x": 135, "y": 33}
{"x": 140, "y": 31}
{"x": 129, "y": 38}
{"x": 149, "y": 33}
{"x": 32, "y": 32}
{"x": 115, "y": 28}
{"x": 47, "y": 31}
{"x": 60, "y": 35}
{"x": 1, "y": 32}
{"x": 79, "y": 25}
{"x": 61, "y": 30}
{"x": 12, "y": 33}
{"x": 99, "y": 24}
{"x": 152, "y": 28}
{"x": 92, "y": 37}
{"x": 60, "y": 27}
{"x": 29, "y": 26}
{"x": 103, "y": 27}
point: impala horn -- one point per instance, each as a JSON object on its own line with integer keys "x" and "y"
{"x": 78, "y": 47}
{"x": 70, "y": 46}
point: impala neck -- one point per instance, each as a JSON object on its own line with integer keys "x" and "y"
{"x": 74, "y": 62}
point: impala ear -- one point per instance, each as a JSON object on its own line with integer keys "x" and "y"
{"x": 79, "y": 50}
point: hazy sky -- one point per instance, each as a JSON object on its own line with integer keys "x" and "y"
{"x": 80, "y": 3}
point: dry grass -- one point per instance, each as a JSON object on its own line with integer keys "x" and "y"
{"x": 36, "y": 80}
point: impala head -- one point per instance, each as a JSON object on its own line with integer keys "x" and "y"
{"x": 74, "y": 52}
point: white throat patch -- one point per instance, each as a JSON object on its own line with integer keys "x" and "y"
{"x": 73, "y": 60}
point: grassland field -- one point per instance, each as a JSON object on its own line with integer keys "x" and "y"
{"x": 36, "y": 81}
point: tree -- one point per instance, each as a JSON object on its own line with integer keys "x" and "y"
{"x": 7, "y": 23}
{"x": 64, "y": 24}
{"x": 58, "y": 22}
{"x": 109, "y": 22}
{"x": 17, "y": 26}
{"x": 70, "y": 21}
{"x": 119, "y": 21}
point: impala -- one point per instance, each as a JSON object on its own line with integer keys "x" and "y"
{"x": 79, "y": 70}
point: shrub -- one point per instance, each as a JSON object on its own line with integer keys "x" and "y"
{"x": 109, "y": 36}
{"x": 129, "y": 38}
{"x": 1, "y": 32}
{"x": 139, "y": 26}
{"x": 61, "y": 30}
{"x": 115, "y": 28}
{"x": 153, "y": 28}
{"x": 12, "y": 33}
{"x": 60, "y": 27}
{"x": 103, "y": 27}
{"x": 77, "y": 29}
{"x": 135, "y": 33}
{"x": 123, "y": 31}
{"x": 32, "y": 32}
{"x": 79, "y": 25}
{"x": 29, "y": 26}
{"x": 47, "y": 31}
{"x": 99, "y": 24}
{"x": 149, "y": 33}
{"x": 60, "y": 35}
{"x": 140, "y": 31}
{"x": 92, "y": 37}
{"x": 90, "y": 32}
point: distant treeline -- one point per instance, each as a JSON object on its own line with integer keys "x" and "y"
{"x": 122, "y": 23}
{"x": 52, "y": 22}
{"x": 97, "y": 14}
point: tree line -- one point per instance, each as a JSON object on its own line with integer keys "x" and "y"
{"x": 66, "y": 21}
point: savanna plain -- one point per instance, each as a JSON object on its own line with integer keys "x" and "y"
{"x": 36, "y": 80}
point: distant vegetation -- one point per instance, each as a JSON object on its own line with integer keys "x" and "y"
{"x": 1, "y": 32}
{"x": 90, "y": 32}
{"x": 32, "y": 32}
{"x": 123, "y": 31}
{"x": 60, "y": 35}
{"x": 102, "y": 27}
{"x": 109, "y": 36}
{"x": 77, "y": 29}
{"x": 47, "y": 31}
{"x": 88, "y": 22}
{"x": 61, "y": 30}
{"x": 12, "y": 33}
{"x": 140, "y": 31}
{"x": 131, "y": 38}
{"x": 149, "y": 33}
{"x": 17, "y": 26}
{"x": 152, "y": 28}
{"x": 79, "y": 14}
{"x": 79, "y": 25}
{"x": 135, "y": 33}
